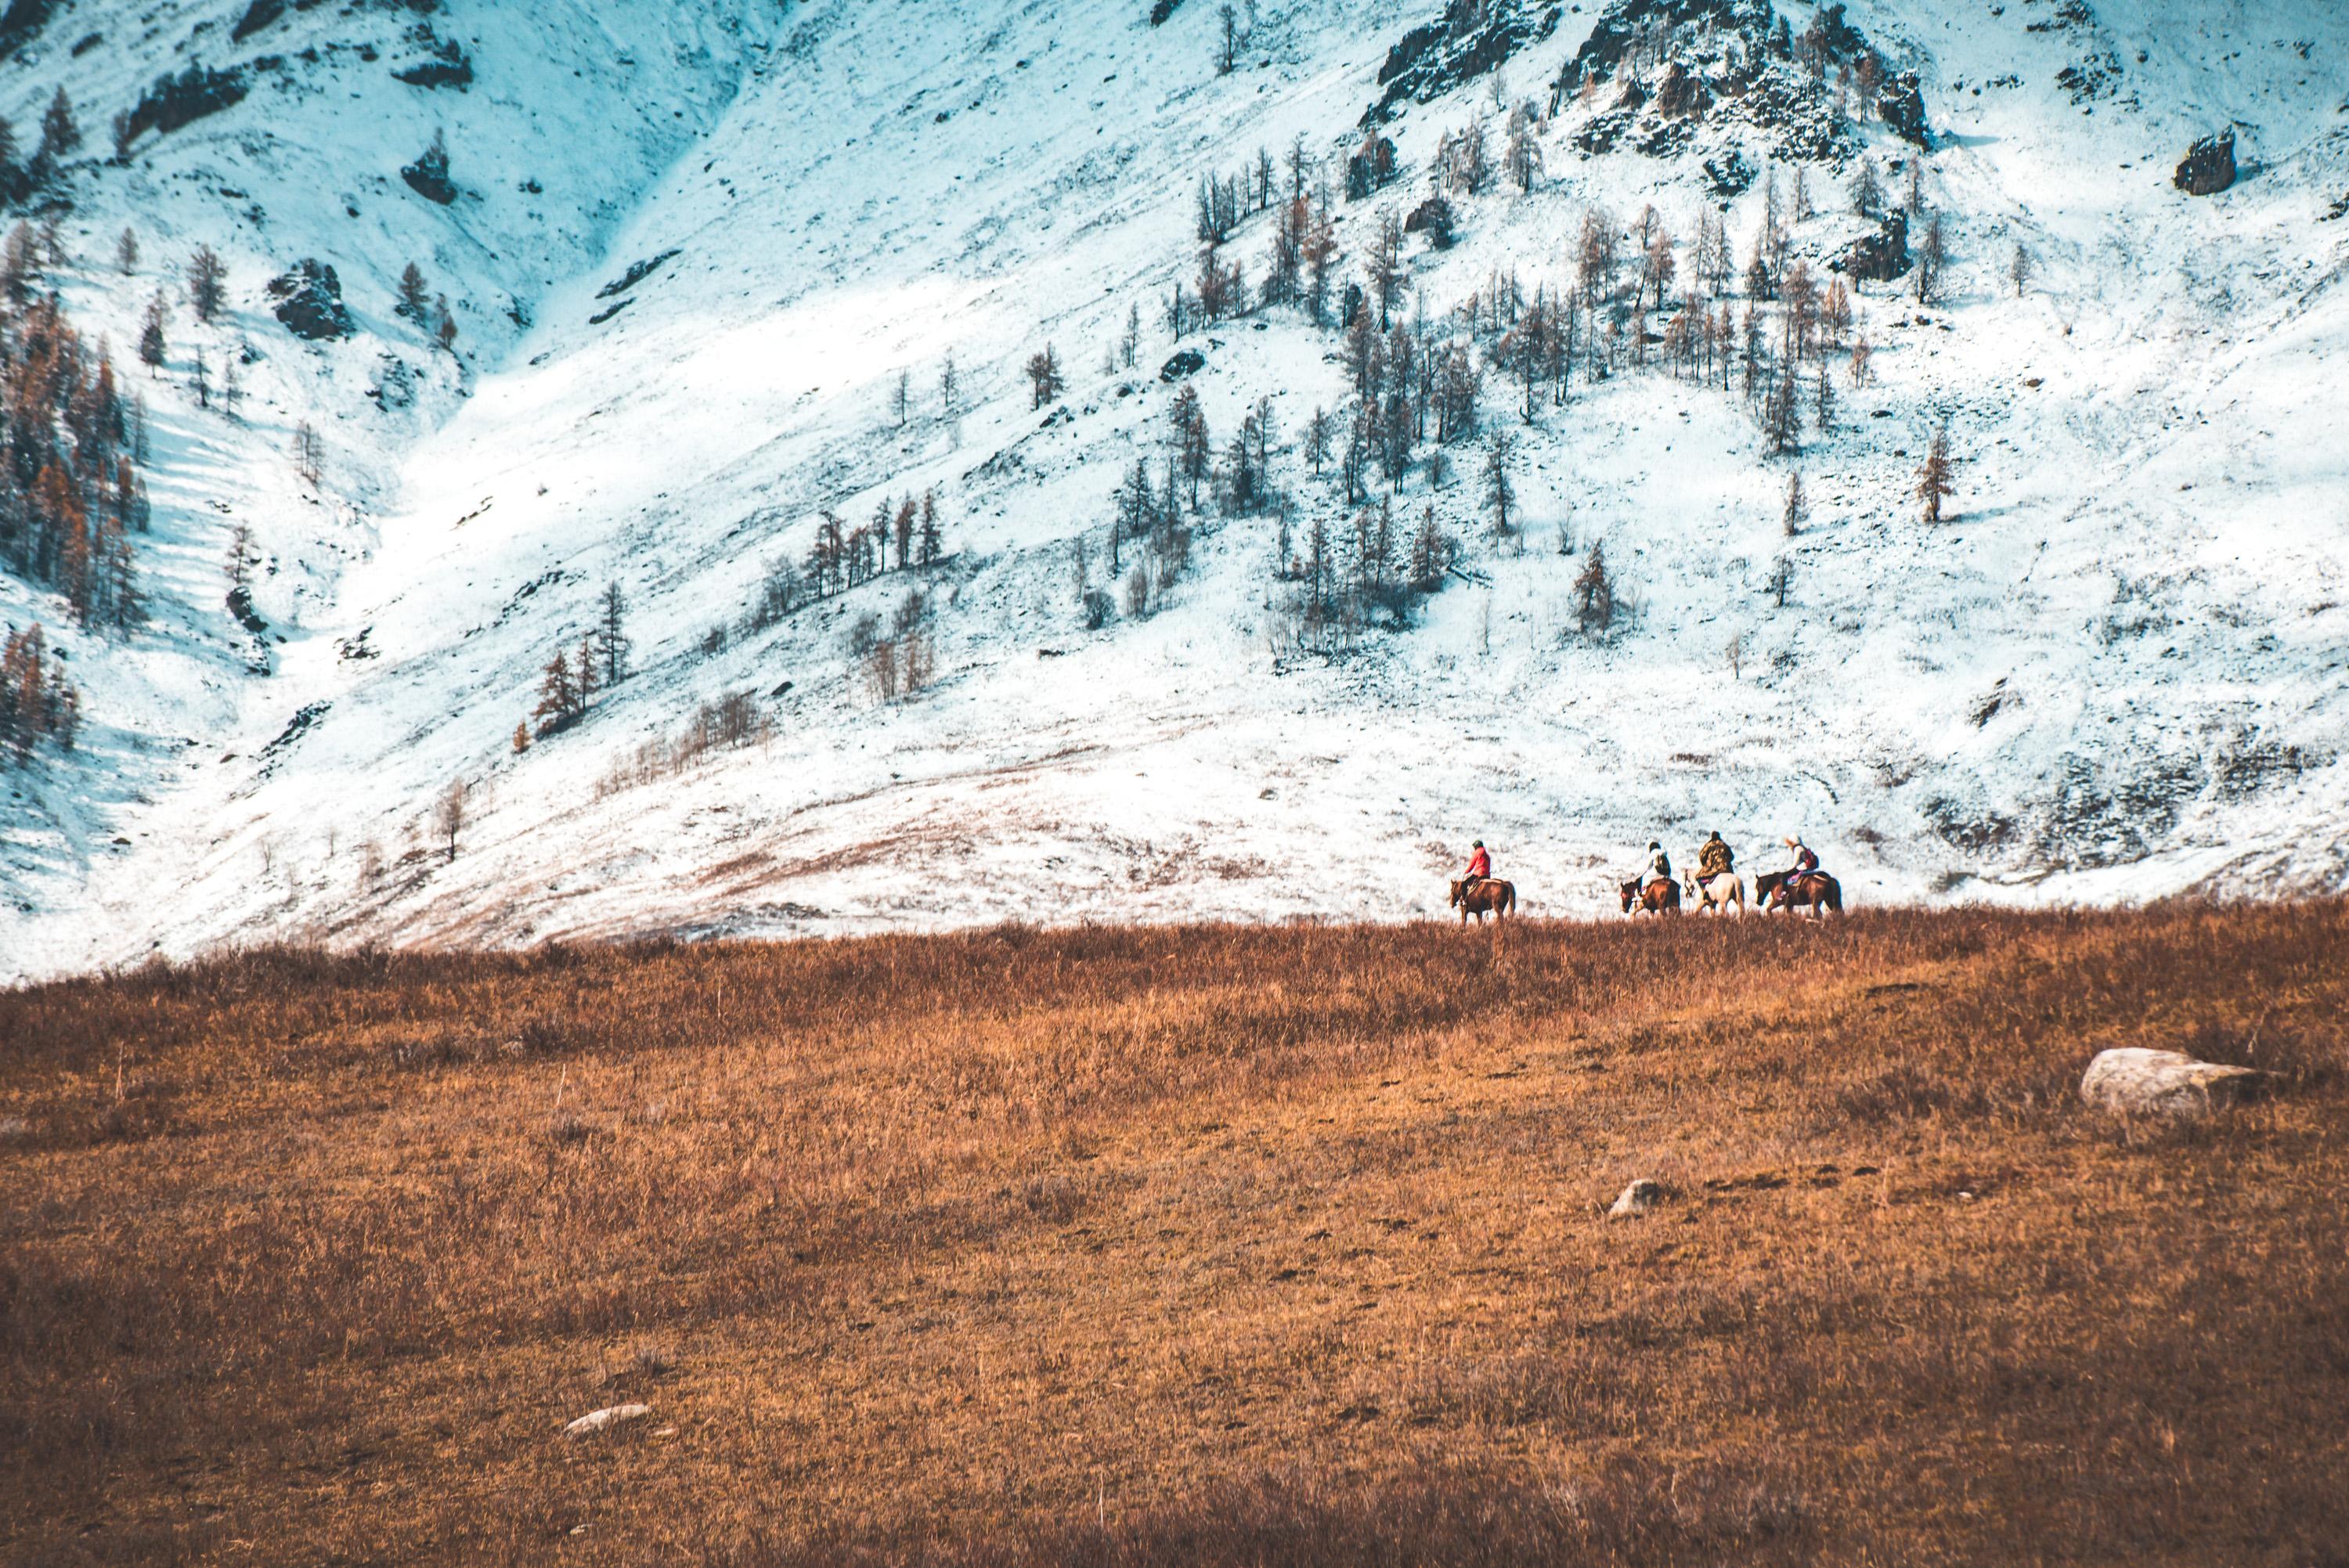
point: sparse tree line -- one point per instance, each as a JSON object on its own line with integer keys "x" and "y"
{"x": 902, "y": 535}
{"x": 70, "y": 491}
{"x": 23, "y": 178}
{"x": 730, "y": 719}
{"x": 38, "y": 703}
{"x": 569, "y": 680}
{"x": 896, "y": 658}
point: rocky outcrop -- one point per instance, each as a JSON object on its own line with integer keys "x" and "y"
{"x": 1710, "y": 73}
{"x": 310, "y": 300}
{"x": 1879, "y": 257}
{"x": 1900, "y": 104}
{"x": 1436, "y": 219}
{"x": 1182, "y": 363}
{"x": 2208, "y": 166}
{"x": 1472, "y": 38}
{"x": 2137, "y": 1082}
{"x": 182, "y": 99}
{"x": 428, "y": 175}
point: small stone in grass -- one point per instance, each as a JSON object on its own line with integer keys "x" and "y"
{"x": 610, "y": 1415}
{"x": 2134, "y": 1079}
{"x": 1638, "y": 1198}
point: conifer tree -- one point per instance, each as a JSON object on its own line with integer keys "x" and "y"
{"x": 1934, "y": 475}
{"x": 151, "y": 346}
{"x": 207, "y": 282}
{"x": 1782, "y": 419}
{"x": 611, "y": 635}
{"x": 60, "y": 133}
{"x": 415, "y": 295}
{"x": 1822, "y": 405}
{"x": 1499, "y": 494}
{"x": 1594, "y": 592}
{"x": 932, "y": 544}
{"x": 1044, "y": 377}
{"x": 1796, "y": 510}
{"x": 558, "y": 693}
{"x": 587, "y": 669}
{"x": 126, "y": 251}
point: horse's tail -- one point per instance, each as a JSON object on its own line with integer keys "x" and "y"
{"x": 1508, "y": 898}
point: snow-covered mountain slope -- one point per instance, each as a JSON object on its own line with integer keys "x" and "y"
{"x": 2114, "y": 670}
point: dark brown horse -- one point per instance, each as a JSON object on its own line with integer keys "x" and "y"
{"x": 1643, "y": 897}
{"x": 1479, "y": 894}
{"x": 1814, "y": 891}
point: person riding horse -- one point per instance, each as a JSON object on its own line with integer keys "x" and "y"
{"x": 1659, "y": 868}
{"x": 1713, "y": 859}
{"x": 1805, "y": 863}
{"x": 1480, "y": 865}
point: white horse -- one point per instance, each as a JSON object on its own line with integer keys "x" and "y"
{"x": 1717, "y": 895}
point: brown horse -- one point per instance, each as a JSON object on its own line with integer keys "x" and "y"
{"x": 1718, "y": 894}
{"x": 1816, "y": 891}
{"x": 1650, "y": 897}
{"x": 1479, "y": 894}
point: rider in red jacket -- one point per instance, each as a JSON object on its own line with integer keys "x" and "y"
{"x": 1480, "y": 864}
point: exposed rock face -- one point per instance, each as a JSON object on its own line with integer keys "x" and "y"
{"x": 174, "y": 101}
{"x": 310, "y": 300}
{"x": 2137, "y": 1081}
{"x": 1471, "y": 39}
{"x": 1879, "y": 257}
{"x": 428, "y": 176}
{"x": 2208, "y": 166}
{"x": 1433, "y": 218}
{"x": 1182, "y": 363}
{"x": 1901, "y": 103}
{"x": 1641, "y": 1197}
{"x": 1713, "y": 72}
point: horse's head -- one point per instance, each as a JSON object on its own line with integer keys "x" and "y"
{"x": 1631, "y": 893}
{"x": 1459, "y": 886}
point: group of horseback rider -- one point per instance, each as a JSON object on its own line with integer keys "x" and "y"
{"x": 1714, "y": 859}
{"x": 1716, "y": 884}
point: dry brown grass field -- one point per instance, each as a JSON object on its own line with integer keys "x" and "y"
{"x": 1216, "y": 1246}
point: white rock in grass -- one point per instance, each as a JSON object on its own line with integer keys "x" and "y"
{"x": 1638, "y": 1198}
{"x": 610, "y": 1415}
{"x": 2139, "y": 1081}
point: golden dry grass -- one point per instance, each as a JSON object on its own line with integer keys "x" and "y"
{"x": 1200, "y": 1246}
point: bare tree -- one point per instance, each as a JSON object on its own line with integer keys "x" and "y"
{"x": 950, "y": 387}
{"x": 309, "y": 454}
{"x": 1796, "y": 508}
{"x": 448, "y": 814}
{"x": 207, "y": 282}
{"x": 1228, "y": 53}
{"x": 1932, "y": 256}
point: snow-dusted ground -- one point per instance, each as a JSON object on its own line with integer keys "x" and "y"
{"x": 2117, "y": 672}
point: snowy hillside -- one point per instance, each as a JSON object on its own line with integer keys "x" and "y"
{"x": 692, "y": 250}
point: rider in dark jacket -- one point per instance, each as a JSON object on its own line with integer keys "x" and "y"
{"x": 1712, "y": 859}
